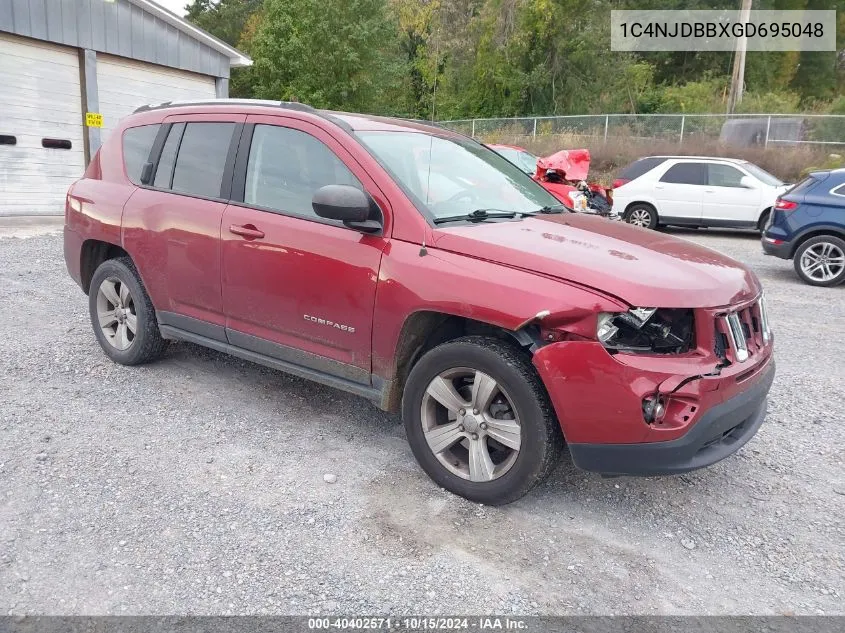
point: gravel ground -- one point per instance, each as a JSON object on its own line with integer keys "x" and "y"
{"x": 196, "y": 485}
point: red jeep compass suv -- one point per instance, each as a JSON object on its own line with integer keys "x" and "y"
{"x": 415, "y": 267}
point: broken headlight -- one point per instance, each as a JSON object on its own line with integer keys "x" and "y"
{"x": 647, "y": 331}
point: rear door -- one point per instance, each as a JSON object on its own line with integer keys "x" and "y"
{"x": 679, "y": 192}
{"x": 726, "y": 202}
{"x": 172, "y": 224}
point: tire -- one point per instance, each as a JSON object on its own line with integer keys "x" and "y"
{"x": 641, "y": 214}
{"x": 117, "y": 296}
{"x": 764, "y": 219}
{"x": 820, "y": 261}
{"x": 516, "y": 407}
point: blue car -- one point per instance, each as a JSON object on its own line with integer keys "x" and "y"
{"x": 807, "y": 225}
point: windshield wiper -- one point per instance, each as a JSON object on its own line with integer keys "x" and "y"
{"x": 478, "y": 215}
{"x": 557, "y": 208}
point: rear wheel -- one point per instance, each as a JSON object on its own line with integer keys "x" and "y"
{"x": 122, "y": 314}
{"x": 764, "y": 220}
{"x": 479, "y": 421}
{"x": 820, "y": 261}
{"x": 641, "y": 214}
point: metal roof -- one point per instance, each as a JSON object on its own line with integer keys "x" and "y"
{"x": 135, "y": 29}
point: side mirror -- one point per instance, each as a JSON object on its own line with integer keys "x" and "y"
{"x": 748, "y": 182}
{"x": 347, "y": 204}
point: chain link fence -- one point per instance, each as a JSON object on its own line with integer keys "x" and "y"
{"x": 742, "y": 130}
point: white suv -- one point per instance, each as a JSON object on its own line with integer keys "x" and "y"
{"x": 695, "y": 191}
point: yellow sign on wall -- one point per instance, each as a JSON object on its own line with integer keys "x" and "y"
{"x": 93, "y": 119}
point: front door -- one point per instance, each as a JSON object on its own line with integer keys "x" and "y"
{"x": 726, "y": 202}
{"x": 679, "y": 191}
{"x": 295, "y": 286}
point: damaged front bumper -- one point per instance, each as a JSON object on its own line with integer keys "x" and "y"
{"x": 598, "y": 397}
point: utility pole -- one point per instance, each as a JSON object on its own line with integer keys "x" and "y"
{"x": 738, "y": 74}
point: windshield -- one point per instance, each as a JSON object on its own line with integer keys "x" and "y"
{"x": 454, "y": 176}
{"x": 524, "y": 160}
{"x": 762, "y": 175}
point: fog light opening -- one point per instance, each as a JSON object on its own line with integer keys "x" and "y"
{"x": 653, "y": 409}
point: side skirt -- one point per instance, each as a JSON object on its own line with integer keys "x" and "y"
{"x": 371, "y": 393}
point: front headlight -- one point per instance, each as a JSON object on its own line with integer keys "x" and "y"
{"x": 647, "y": 330}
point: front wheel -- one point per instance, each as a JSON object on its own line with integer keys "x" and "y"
{"x": 479, "y": 421}
{"x": 820, "y": 261}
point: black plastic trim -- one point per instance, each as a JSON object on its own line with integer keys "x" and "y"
{"x": 720, "y": 432}
{"x": 366, "y": 391}
{"x": 813, "y": 231}
{"x": 298, "y": 357}
{"x": 190, "y": 324}
{"x": 229, "y": 166}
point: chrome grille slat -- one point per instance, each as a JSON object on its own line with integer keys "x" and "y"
{"x": 745, "y": 333}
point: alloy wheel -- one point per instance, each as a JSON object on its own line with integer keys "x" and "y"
{"x": 823, "y": 261}
{"x": 470, "y": 424}
{"x": 640, "y": 217}
{"x": 116, "y": 313}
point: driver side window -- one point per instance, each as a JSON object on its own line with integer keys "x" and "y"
{"x": 287, "y": 166}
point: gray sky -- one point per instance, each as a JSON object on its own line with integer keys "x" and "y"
{"x": 177, "y": 6}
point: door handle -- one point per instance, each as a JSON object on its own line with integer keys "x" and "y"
{"x": 708, "y": 191}
{"x": 247, "y": 230}
{"x": 658, "y": 186}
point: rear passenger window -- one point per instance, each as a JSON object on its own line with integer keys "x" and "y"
{"x": 202, "y": 158}
{"x": 287, "y": 166}
{"x": 686, "y": 174}
{"x": 137, "y": 143}
{"x": 164, "y": 171}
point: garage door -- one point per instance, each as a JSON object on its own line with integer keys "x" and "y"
{"x": 39, "y": 104}
{"x": 124, "y": 84}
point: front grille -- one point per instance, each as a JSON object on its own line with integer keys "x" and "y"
{"x": 742, "y": 333}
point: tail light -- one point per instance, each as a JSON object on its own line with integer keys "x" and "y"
{"x": 785, "y": 205}
{"x": 619, "y": 182}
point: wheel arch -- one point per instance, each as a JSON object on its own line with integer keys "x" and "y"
{"x": 426, "y": 329}
{"x": 764, "y": 214}
{"x": 92, "y": 254}
{"x": 816, "y": 231}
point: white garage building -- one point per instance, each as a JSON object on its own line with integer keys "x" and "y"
{"x": 63, "y": 62}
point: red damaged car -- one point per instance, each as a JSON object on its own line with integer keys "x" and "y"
{"x": 362, "y": 253}
{"x": 564, "y": 175}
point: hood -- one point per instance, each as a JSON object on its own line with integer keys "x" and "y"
{"x": 640, "y": 266}
{"x": 573, "y": 164}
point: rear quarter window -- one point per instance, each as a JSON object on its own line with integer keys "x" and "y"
{"x": 640, "y": 167}
{"x": 137, "y": 143}
{"x": 802, "y": 186}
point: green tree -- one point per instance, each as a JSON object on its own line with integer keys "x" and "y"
{"x": 343, "y": 56}
{"x": 224, "y": 19}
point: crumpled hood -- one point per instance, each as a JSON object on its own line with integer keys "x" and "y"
{"x": 642, "y": 267}
{"x": 573, "y": 164}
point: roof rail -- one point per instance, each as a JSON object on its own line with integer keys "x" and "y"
{"x": 290, "y": 105}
